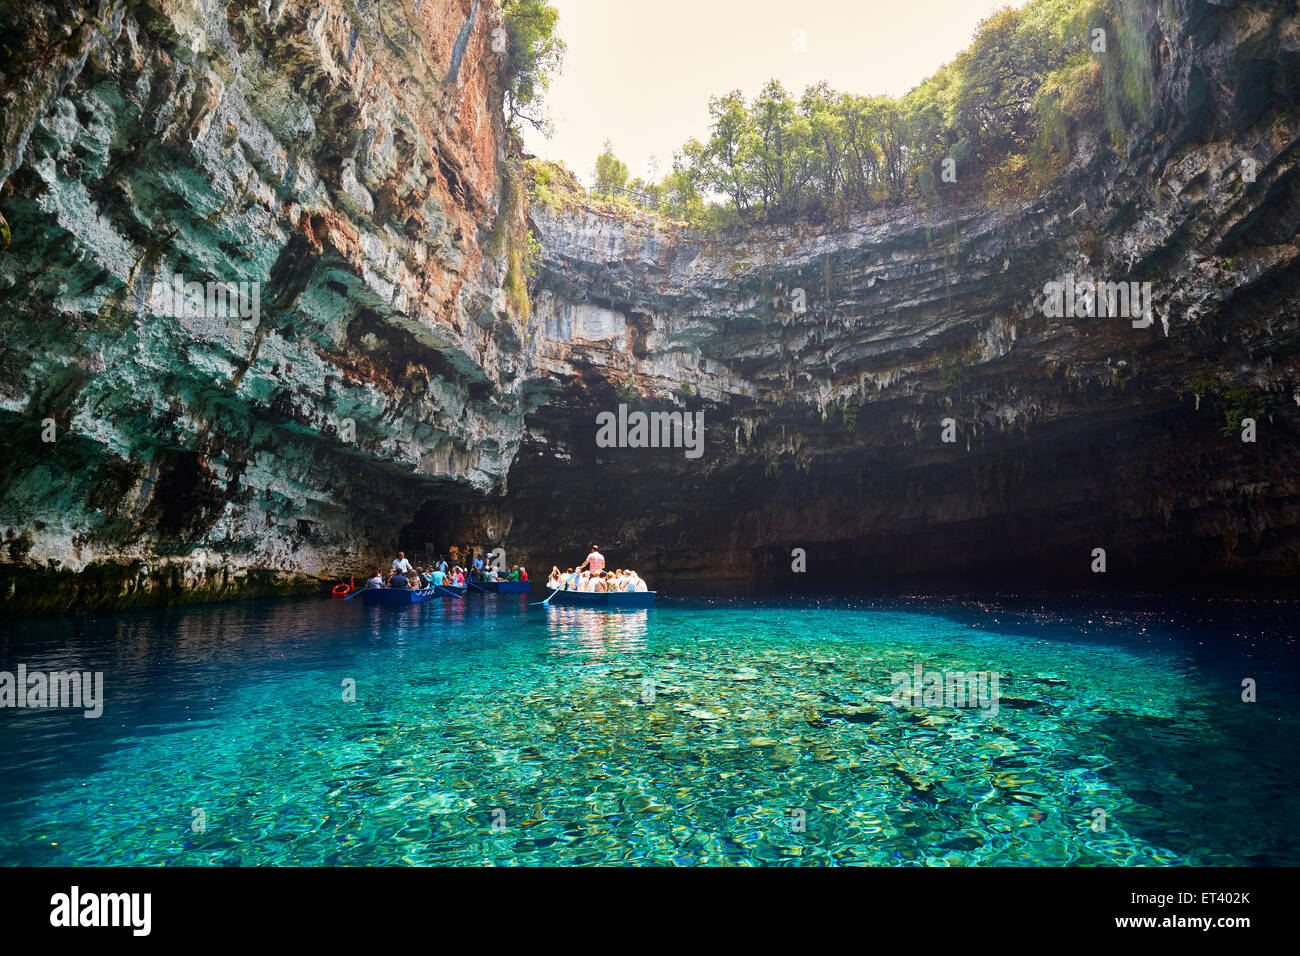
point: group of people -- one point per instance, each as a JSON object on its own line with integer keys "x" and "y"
{"x": 591, "y": 575}
{"x": 403, "y": 574}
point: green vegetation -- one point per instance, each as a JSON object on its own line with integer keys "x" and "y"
{"x": 553, "y": 185}
{"x": 998, "y": 122}
{"x": 1237, "y": 402}
{"x": 848, "y": 414}
{"x": 533, "y": 55}
{"x": 611, "y": 173}
{"x": 512, "y": 238}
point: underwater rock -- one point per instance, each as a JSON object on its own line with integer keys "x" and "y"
{"x": 854, "y": 715}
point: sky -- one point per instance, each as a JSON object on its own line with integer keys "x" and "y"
{"x": 640, "y": 72}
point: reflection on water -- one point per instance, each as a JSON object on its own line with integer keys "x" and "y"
{"x": 593, "y": 633}
{"x": 693, "y": 733}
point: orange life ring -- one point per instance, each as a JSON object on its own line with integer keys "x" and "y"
{"x": 341, "y": 590}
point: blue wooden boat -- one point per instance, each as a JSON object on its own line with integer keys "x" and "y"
{"x": 611, "y": 600}
{"x": 408, "y": 595}
{"x": 394, "y": 595}
{"x": 501, "y": 587}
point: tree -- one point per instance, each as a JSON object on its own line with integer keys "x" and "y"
{"x": 684, "y": 186}
{"x": 611, "y": 172}
{"x": 731, "y": 149}
{"x": 781, "y": 154}
{"x": 820, "y": 106}
{"x": 533, "y": 55}
{"x": 1004, "y": 111}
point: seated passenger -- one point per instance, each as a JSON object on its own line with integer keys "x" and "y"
{"x": 377, "y": 581}
{"x": 437, "y": 577}
{"x": 460, "y": 577}
{"x": 398, "y": 580}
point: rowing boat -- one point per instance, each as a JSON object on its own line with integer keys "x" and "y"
{"x": 394, "y": 595}
{"x": 408, "y": 595}
{"x": 502, "y": 587}
{"x": 604, "y": 599}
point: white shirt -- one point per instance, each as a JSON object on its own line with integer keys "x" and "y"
{"x": 640, "y": 585}
{"x": 401, "y": 564}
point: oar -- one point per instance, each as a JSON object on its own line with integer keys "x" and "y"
{"x": 439, "y": 587}
{"x": 473, "y": 585}
{"x": 547, "y": 602}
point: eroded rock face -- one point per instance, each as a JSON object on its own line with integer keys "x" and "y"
{"x": 347, "y": 157}
{"x": 825, "y": 427}
{"x": 341, "y": 159}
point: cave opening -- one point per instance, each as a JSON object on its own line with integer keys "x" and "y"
{"x": 437, "y": 530}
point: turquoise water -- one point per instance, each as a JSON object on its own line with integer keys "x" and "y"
{"x": 736, "y": 731}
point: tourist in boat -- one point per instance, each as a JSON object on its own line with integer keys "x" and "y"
{"x": 377, "y": 580}
{"x": 437, "y": 576}
{"x": 595, "y": 561}
{"x": 523, "y": 574}
{"x": 400, "y": 563}
{"x": 398, "y": 580}
{"x": 460, "y": 577}
{"x": 636, "y": 584}
{"x": 553, "y": 579}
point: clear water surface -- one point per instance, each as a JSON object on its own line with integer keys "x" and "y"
{"x": 737, "y": 730}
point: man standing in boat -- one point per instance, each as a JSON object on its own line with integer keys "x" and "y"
{"x": 595, "y": 561}
{"x": 401, "y": 564}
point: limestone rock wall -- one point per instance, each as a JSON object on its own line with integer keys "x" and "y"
{"x": 329, "y": 154}
{"x": 825, "y": 426}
